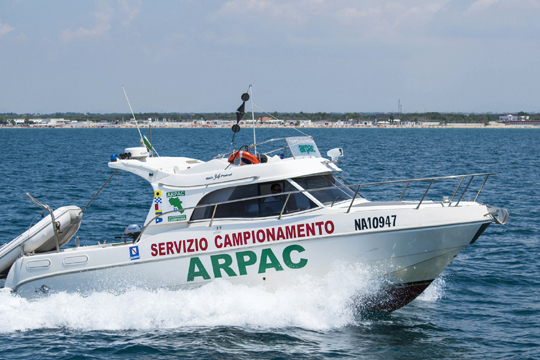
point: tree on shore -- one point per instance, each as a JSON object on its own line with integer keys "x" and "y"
{"x": 291, "y": 116}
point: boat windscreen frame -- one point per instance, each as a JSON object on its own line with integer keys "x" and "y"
{"x": 306, "y": 193}
{"x": 261, "y": 204}
{"x": 311, "y": 192}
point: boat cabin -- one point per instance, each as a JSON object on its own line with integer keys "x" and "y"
{"x": 274, "y": 183}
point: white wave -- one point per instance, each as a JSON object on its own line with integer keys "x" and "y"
{"x": 310, "y": 303}
{"x": 434, "y": 291}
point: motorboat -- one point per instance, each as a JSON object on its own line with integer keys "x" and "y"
{"x": 265, "y": 215}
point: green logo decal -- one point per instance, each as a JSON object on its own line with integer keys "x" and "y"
{"x": 176, "y": 218}
{"x": 176, "y": 194}
{"x": 177, "y": 204}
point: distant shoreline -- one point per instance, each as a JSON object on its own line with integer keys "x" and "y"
{"x": 191, "y": 126}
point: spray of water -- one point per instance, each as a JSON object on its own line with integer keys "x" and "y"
{"x": 434, "y": 292}
{"x": 311, "y": 303}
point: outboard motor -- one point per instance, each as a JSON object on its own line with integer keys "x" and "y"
{"x": 132, "y": 231}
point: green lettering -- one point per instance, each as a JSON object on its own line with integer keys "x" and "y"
{"x": 176, "y": 193}
{"x": 306, "y": 148}
{"x": 266, "y": 255}
{"x": 287, "y": 257}
{"x": 176, "y": 218}
{"x": 225, "y": 265}
{"x": 242, "y": 262}
{"x": 196, "y": 268}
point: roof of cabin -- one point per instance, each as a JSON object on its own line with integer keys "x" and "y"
{"x": 187, "y": 172}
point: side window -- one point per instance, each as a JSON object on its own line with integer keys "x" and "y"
{"x": 248, "y": 208}
{"x": 212, "y": 198}
{"x": 267, "y": 206}
{"x": 273, "y": 205}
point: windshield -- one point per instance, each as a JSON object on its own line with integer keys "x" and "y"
{"x": 328, "y": 196}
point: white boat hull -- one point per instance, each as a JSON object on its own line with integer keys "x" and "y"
{"x": 409, "y": 253}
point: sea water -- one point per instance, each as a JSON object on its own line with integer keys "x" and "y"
{"x": 484, "y": 305}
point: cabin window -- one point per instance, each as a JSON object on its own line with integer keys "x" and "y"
{"x": 328, "y": 196}
{"x": 269, "y": 206}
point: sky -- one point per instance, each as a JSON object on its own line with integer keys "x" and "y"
{"x": 192, "y": 56}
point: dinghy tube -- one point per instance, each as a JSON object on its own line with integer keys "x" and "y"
{"x": 40, "y": 237}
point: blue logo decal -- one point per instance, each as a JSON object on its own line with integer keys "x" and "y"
{"x": 134, "y": 253}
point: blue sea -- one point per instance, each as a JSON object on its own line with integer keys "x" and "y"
{"x": 485, "y": 305}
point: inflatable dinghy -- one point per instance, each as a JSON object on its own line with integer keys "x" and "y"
{"x": 40, "y": 237}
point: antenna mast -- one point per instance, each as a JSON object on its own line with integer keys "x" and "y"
{"x": 253, "y": 119}
{"x": 142, "y": 141}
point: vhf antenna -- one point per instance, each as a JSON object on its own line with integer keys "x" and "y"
{"x": 144, "y": 140}
{"x": 253, "y": 120}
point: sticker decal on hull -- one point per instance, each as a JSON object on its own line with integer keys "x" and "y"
{"x": 376, "y": 222}
{"x": 222, "y": 263}
{"x": 134, "y": 252}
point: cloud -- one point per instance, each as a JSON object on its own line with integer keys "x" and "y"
{"x": 103, "y": 25}
{"x": 288, "y": 12}
{"x": 21, "y": 37}
{"x": 5, "y": 28}
{"x": 355, "y": 18}
{"x": 479, "y": 5}
{"x": 130, "y": 9}
{"x": 304, "y": 10}
{"x": 504, "y": 7}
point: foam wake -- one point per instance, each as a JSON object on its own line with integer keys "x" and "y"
{"x": 316, "y": 304}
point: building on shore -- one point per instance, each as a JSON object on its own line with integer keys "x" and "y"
{"x": 523, "y": 122}
{"x": 465, "y": 125}
{"x": 511, "y": 117}
{"x": 41, "y": 122}
{"x": 430, "y": 123}
{"x": 410, "y": 123}
{"x": 322, "y": 123}
{"x": 266, "y": 120}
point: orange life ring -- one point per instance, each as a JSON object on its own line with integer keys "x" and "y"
{"x": 246, "y": 158}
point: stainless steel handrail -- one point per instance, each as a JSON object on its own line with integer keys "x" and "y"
{"x": 423, "y": 197}
{"x": 289, "y": 193}
{"x": 403, "y": 193}
{"x": 481, "y": 187}
{"x": 284, "y": 205}
{"x": 355, "y": 194}
{"x": 455, "y": 192}
{"x": 54, "y": 223}
{"x": 464, "y": 191}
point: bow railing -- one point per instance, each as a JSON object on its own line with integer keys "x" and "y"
{"x": 355, "y": 187}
